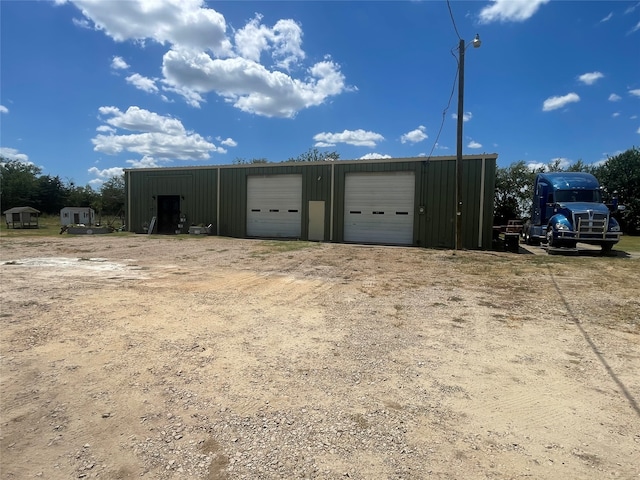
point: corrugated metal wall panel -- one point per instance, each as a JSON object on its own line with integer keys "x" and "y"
{"x": 489, "y": 198}
{"x": 196, "y": 189}
{"x": 439, "y": 196}
{"x": 471, "y": 172}
{"x": 435, "y": 191}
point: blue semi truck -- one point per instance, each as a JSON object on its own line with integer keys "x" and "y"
{"x": 568, "y": 208}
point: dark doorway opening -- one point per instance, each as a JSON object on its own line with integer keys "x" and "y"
{"x": 168, "y": 213}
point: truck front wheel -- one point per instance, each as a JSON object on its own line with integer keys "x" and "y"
{"x": 606, "y": 248}
{"x": 551, "y": 242}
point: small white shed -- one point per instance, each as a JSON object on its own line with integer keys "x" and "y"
{"x": 77, "y": 216}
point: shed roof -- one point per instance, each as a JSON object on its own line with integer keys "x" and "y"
{"x": 21, "y": 210}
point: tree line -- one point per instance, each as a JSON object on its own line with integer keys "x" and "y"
{"x": 23, "y": 184}
{"x": 618, "y": 176}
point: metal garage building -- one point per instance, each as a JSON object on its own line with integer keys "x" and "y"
{"x": 404, "y": 201}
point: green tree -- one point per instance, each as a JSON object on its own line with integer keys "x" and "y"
{"x": 580, "y": 166}
{"x": 81, "y": 196}
{"x": 17, "y": 183}
{"x": 315, "y": 155}
{"x": 50, "y": 194}
{"x": 112, "y": 196}
{"x": 514, "y": 186}
{"x": 621, "y": 174}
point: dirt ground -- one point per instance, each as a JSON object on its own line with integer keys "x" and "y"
{"x": 202, "y": 357}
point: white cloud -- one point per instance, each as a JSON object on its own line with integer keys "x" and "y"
{"x": 145, "y": 162}
{"x": 374, "y": 156}
{"x": 466, "y": 116}
{"x": 510, "y": 10}
{"x": 635, "y": 92}
{"x": 638, "y": 131}
{"x": 160, "y": 137}
{"x": 229, "y": 142}
{"x": 81, "y": 23}
{"x": 203, "y": 58}
{"x": 533, "y": 166}
{"x": 553, "y": 103}
{"x": 13, "y": 154}
{"x": 615, "y": 114}
{"x": 142, "y": 83}
{"x": 138, "y": 119}
{"x": 177, "y": 22}
{"x": 118, "y": 63}
{"x": 284, "y": 40}
{"x": 250, "y": 86}
{"x": 105, "y": 128}
{"x": 631, "y": 8}
{"x": 607, "y": 18}
{"x": 590, "y": 78}
{"x": 190, "y": 96}
{"x": 564, "y": 163}
{"x": 359, "y": 138}
{"x": 3, "y": 109}
{"x": 474, "y": 144}
{"x": 614, "y": 98}
{"x": 415, "y": 136}
{"x": 107, "y": 172}
{"x": 634, "y": 29}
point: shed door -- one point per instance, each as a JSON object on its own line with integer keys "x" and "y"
{"x": 379, "y": 207}
{"x": 274, "y": 206}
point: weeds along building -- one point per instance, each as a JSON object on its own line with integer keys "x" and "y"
{"x": 400, "y": 201}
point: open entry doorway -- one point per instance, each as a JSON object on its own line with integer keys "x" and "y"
{"x": 168, "y": 213}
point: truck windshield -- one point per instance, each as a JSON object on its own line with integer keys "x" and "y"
{"x": 590, "y": 196}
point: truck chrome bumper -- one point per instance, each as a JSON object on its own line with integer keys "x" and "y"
{"x": 589, "y": 237}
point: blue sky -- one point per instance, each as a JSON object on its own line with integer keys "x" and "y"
{"x": 91, "y": 87}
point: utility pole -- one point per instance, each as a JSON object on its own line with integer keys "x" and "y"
{"x": 476, "y": 44}
{"x": 460, "y": 119}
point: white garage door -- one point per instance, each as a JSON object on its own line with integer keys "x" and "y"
{"x": 379, "y": 207}
{"x": 274, "y": 206}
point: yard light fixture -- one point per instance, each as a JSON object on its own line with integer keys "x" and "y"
{"x": 462, "y": 47}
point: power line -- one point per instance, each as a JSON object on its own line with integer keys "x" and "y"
{"x": 453, "y": 20}
{"x": 453, "y": 87}
{"x": 444, "y": 112}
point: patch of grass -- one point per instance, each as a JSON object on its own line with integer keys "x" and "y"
{"x": 628, "y": 243}
{"x": 48, "y": 226}
{"x": 46, "y": 229}
{"x": 283, "y": 246}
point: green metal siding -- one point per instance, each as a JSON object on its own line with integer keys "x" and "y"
{"x": 437, "y": 230}
{"x": 316, "y": 185}
{"x": 435, "y": 179}
{"x": 197, "y": 190}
